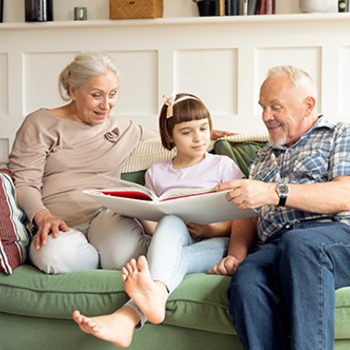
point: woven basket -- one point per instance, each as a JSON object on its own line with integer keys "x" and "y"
{"x": 127, "y": 9}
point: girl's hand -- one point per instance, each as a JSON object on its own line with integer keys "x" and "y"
{"x": 221, "y": 229}
{"x": 226, "y": 266}
{"x": 198, "y": 230}
{"x": 47, "y": 224}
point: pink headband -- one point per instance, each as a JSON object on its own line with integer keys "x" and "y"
{"x": 169, "y": 102}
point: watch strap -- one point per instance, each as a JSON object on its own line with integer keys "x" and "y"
{"x": 282, "y": 201}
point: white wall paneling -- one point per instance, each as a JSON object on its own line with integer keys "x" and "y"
{"x": 211, "y": 74}
{"x": 308, "y": 58}
{"x": 4, "y": 150}
{"x": 4, "y": 84}
{"x": 222, "y": 60}
{"x": 4, "y": 106}
{"x": 40, "y": 78}
{"x": 138, "y": 82}
{"x": 344, "y": 80}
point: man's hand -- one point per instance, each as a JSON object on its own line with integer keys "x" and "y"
{"x": 47, "y": 224}
{"x": 250, "y": 194}
{"x": 226, "y": 266}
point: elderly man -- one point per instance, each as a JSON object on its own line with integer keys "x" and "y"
{"x": 282, "y": 295}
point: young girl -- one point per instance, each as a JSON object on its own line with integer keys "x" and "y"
{"x": 177, "y": 248}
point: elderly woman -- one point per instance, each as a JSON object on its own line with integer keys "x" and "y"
{"x": 58, "y": 153}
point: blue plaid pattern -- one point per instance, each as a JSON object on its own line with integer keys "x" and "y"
{"x": 322, "y": 154}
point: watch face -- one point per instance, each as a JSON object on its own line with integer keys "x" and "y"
{"x": 282, "y": 190}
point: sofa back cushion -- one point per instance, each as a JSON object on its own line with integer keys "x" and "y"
{"x": 240, "y": 148}
{"x": 14, "y": 235}
{"x": 240, "y": 152}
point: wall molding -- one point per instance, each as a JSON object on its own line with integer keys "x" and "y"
{"x": 222, "y": 60}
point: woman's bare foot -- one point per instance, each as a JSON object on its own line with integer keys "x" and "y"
{"x": 117, "y": 328}
{"x": 149, "y": 295}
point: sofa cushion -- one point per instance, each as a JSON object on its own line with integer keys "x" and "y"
{"x": 240, "y": 152}
{"x": 342, "y": 314}
{"x": 240, "y": 149}
{"x": 14, "y": 236}
{"x": 136, "y": 176}
{"x": 152, "y": 151}
{"x": 199, "y": 303}
{"x": 199, "y": 300}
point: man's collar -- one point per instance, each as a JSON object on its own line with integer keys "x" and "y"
{"x": 321, "y": 123}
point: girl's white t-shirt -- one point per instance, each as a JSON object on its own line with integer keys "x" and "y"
{"x": 212, "y": 170}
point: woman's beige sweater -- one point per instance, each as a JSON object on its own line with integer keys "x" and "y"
{"x": 53, "y": 160}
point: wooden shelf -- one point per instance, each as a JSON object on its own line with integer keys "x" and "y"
{"x": 188, "y": 21}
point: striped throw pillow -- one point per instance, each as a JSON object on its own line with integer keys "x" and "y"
{"x": 14, "y": 235}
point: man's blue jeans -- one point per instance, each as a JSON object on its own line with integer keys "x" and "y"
{"x": 282, "y": 296}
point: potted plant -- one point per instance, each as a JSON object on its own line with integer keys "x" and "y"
{"x": 206, "y": 7}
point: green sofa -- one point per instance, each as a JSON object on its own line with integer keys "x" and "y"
{"x": 36, "y": 309}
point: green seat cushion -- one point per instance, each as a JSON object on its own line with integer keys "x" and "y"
{"x": 199, "y": 303}
{"x": 33, "y": 293}
{"x": 342, "y": 313}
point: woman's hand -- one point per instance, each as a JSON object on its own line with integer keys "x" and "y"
{"x": 217, "y": 134}
{"x": 149, "y": 226}
{"x": 47, "y": 224}
{"x": 226, "y": 266}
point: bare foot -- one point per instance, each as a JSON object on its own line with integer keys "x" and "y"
{"x": 149, "y": 295}
{"x": 117, "y": 328}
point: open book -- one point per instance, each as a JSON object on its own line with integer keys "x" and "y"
{"x": 203, "y": 206}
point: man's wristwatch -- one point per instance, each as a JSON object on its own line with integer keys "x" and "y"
{"x": 282, "y": 190}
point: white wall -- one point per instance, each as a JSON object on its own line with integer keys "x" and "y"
{"x": 99, "y": 9}
{"x": 222, "y": 60}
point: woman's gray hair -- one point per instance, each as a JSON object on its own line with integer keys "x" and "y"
{"x": 84, "y": 67}
{"x": 299, "y": 78}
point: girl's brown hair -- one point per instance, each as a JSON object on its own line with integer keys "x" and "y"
{"x": 188, "y": 109}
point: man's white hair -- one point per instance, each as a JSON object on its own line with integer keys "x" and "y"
{"x": 299, "y": 78}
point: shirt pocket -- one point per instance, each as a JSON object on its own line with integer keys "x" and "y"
{"x": 311, "y": 168}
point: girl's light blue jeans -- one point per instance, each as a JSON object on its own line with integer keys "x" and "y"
{"x": 282, "y": 296}
{"x": 173, "y": 253}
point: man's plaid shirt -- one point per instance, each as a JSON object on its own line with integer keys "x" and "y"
{"x": 322, "y": 154}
